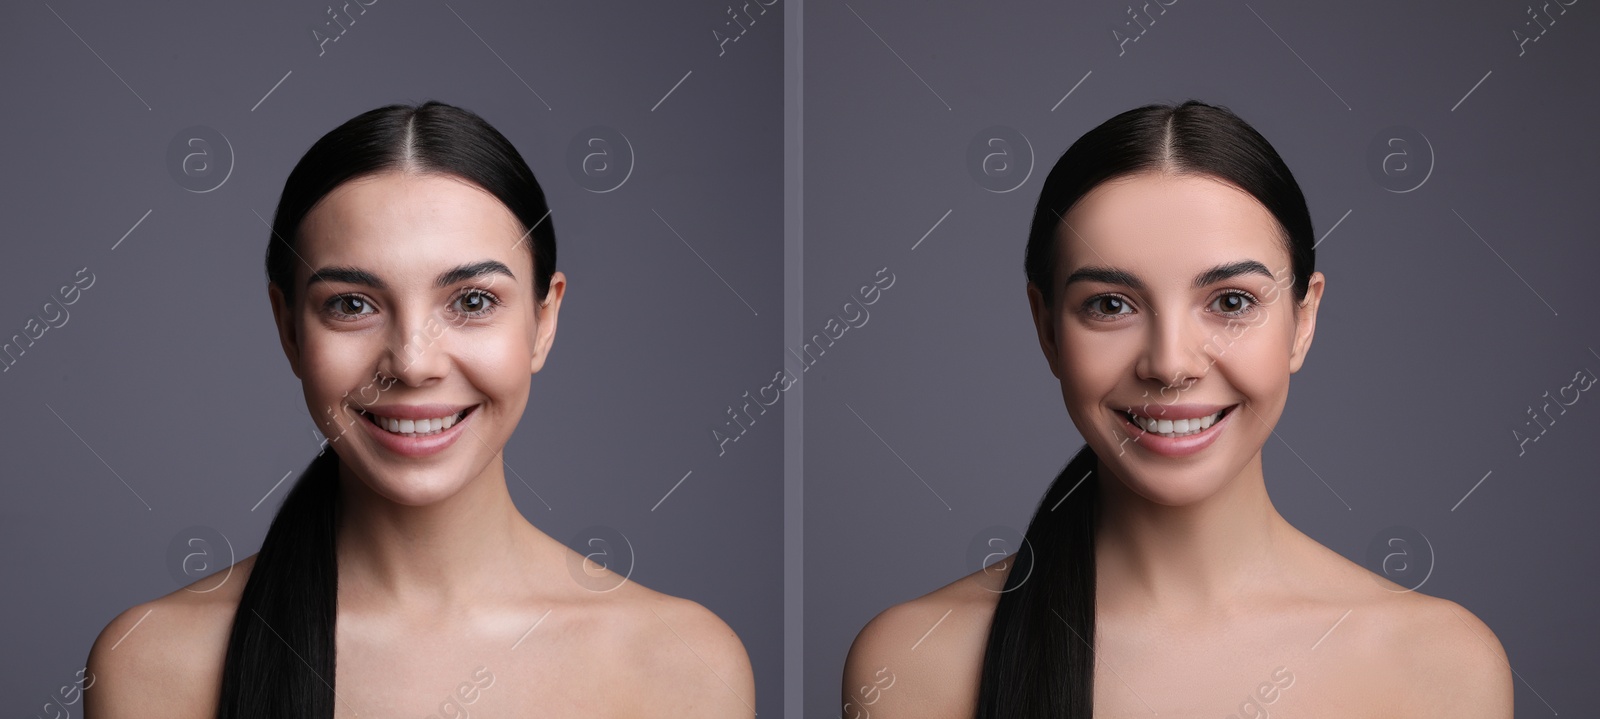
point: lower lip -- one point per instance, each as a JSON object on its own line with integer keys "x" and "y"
{"x": 418, "y": 446}
{"x": 1175, "y": 446}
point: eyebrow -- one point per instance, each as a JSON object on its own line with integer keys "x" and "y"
{"x": 358, "y": 276}
{"x": 1114, "y": 276}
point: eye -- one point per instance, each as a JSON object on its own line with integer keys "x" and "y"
{"x": 1106, "y": 306}
{"x": 477, "y": 303}
{"x": 337, "y": 305}
{"x": 1242, "y": 303}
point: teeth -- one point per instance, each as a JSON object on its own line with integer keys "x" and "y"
{"x": 415, "y": 428}
{"x": 1173, "y": 427}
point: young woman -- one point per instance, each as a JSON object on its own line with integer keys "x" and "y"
{"x": 1170, "y": 276}
{"x": 411, "y": 271}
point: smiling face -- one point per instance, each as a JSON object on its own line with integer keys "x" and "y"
{"x": 1173, "y": 299}
{"x": 423, "y": 295}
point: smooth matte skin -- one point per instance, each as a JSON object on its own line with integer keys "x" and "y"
{"x": 439, "y": 573}
{"x": 1203, "y": 590}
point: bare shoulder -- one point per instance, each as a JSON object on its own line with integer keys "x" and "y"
{"x": 164, "y": 657}
{"x": 923, "y": 657}
{"x": 1452, "y": 663}
{"x": 1455, "y": 661}
{"x": 683, "y": 658}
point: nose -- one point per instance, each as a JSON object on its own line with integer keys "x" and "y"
{"x": 1174, "y": 352}
{"x": 416, "y": 349}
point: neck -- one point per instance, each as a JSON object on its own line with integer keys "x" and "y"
{"x": 1196, "y": 557}
{"x": 432, "y": 556}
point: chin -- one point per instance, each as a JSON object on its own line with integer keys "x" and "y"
{"x": 1174, "y": 485}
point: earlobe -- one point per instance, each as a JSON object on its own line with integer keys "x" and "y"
{"x": 1306, "y": 321}
{"x": 547, "y": 311}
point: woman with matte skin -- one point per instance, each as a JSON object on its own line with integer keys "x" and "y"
{"x": 1170, "y": 277}
{"x": 433, "y": 302}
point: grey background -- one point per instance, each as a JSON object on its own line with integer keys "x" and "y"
{"x": 165, "y": 402}
{"x": 1432, "y": 338}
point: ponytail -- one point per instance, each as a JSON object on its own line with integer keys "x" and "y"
{"x": 1039, "y": 660}
{"x": 280, "y": 659}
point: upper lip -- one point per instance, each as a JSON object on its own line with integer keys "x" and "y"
{"x": 414, "y": 411}
{"x": 1176, "y": 411}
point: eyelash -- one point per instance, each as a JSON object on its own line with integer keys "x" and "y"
{"x": 330, "y": 310}
{"x": 1090, "y": 303}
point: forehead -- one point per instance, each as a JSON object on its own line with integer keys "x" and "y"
{"x": 1167, "y": 228}
{"x": 408, "y": 225}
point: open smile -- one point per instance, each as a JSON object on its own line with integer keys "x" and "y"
{"x": 417, "y": 438}
{"x": 1176, "y": 437}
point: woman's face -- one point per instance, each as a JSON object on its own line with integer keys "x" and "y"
{"x": 423, "y": 295}
{"x": 1173, "y": 299}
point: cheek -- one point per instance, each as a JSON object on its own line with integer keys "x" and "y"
{"x": 332, "y": 365}
{"x": 1093, "y": 364}
{"x": 1256, "y": 363}
{"x": 497, "y": 360}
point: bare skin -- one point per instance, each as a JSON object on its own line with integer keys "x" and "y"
{"x": 450, "y": 603}
{"x": 1208, "y": 603}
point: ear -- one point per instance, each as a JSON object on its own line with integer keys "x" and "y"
{"x": 544, "y": 333}
{"x": 1045, "y": 324}
{"x": 1306, "y": 321}
{"x": 283, "y": 317}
